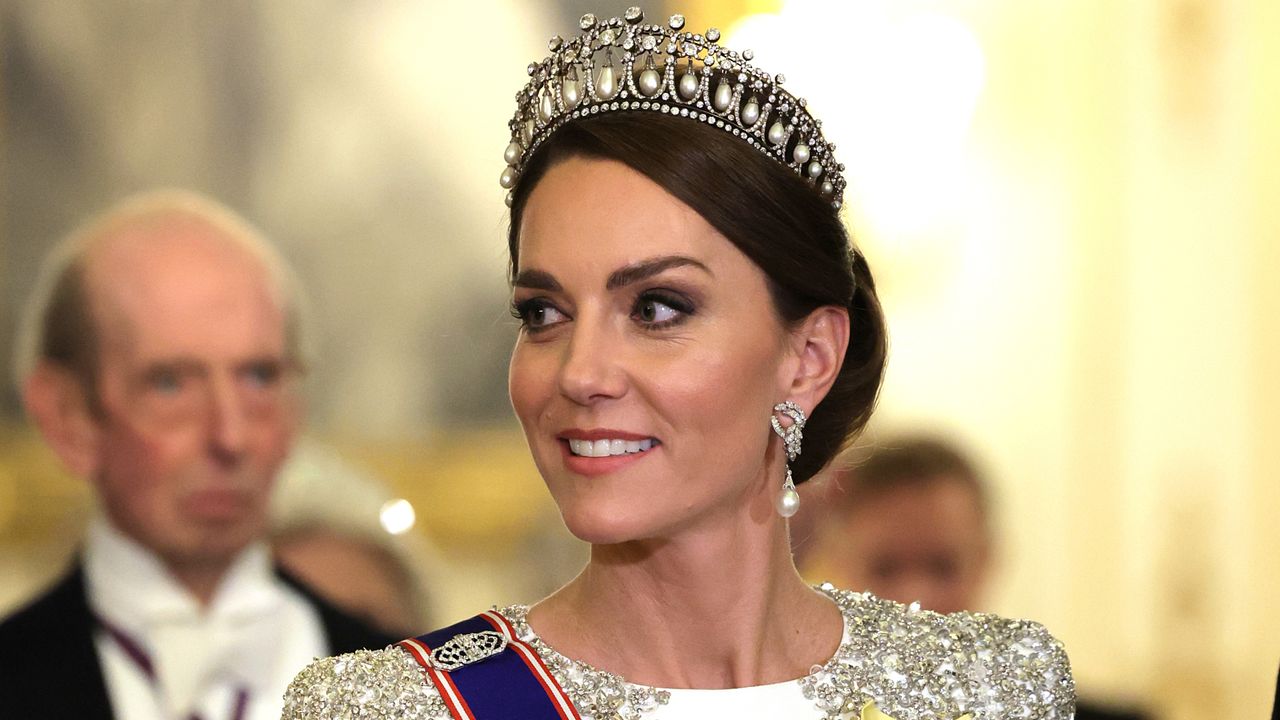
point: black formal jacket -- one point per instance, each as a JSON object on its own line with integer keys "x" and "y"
{"x": 1275, "y": 708}
{"x": 49, "y": 665}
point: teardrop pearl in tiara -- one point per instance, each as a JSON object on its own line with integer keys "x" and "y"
{"x": 625, "y": 64}
{"x": 788, "y": 501}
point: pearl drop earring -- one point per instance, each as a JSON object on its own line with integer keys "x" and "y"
{"x": 788, "y": 501}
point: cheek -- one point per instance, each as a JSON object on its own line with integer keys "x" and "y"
{"x": 276, "y": 435}
{"x": 530, "y": 381}
{"x": 136, "y": 476}
{"x": 726, "y": 390}
{"x": 145, "y": 452}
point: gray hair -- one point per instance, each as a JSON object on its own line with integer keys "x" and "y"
{"x": 57, "y": 321}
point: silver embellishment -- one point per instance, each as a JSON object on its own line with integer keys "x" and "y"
{"x": 467, "y": 648}
{"x": 371, "y": 685}
{"x": 710, "y": 76}
{"x": 914, "y": 665}
{"x": 791, "y": 436}
{"x": 917, "y": 665}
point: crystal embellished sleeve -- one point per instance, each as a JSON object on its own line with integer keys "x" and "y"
{"x": 917, "y": 665}
{"x": 1014, "y": 669}
{"x": 1041, "y": 660}
{"x": 372, "y": 684}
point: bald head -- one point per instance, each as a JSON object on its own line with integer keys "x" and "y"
{"x": 87, "y": 277}
{"x": 183, "y": 279}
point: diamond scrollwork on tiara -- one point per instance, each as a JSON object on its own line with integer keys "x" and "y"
{"x": 625, "y": 64}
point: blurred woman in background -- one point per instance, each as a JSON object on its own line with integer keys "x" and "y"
{"x": 697, "y": 336}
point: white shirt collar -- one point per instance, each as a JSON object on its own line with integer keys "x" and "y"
{"x": 229, "y": 641}
{"x": 130, "y": 586}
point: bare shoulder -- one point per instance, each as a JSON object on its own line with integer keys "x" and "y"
{"x": 372, "y": 684}
{"x": 921, "y": 663}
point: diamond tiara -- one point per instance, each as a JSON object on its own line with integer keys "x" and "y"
{"x": 666, "y": 70}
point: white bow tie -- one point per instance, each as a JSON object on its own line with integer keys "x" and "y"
{"x": 194, "y": 653}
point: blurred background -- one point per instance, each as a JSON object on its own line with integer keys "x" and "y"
{"x": 1072, "y": 208}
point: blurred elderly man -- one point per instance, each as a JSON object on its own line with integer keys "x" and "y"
{"x": 160, "y": 361}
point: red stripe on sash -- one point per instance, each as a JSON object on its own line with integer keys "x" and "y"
{"x": 536, "y": 666}
{"x": 444, "y": 684}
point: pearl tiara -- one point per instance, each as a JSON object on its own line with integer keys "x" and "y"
{"x": 665, "y": 70}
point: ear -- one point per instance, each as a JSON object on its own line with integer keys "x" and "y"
{"x": 58, "y": 403}
{"x": 819, "y": 342}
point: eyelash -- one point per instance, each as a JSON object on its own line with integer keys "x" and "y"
{"x": 523, "y": 310}
{"x": 677, "y": 302}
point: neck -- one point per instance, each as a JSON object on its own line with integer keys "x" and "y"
{"x": 718, "y": 610}
{"x": 201, "y": 579}
{"x": 199, "y": 573}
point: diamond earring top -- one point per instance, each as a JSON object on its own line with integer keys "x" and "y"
{"x": 791, "y": 436}
{"x": 667, "y": 70}
{"x": 788, "y": 501}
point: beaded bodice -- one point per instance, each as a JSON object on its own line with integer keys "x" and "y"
{"x": 913, "y": 664}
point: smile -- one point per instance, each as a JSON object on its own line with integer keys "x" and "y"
{"x": 609, "y": 446}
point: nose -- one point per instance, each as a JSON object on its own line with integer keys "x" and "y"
{"x": 590, "y": 370}
{"x": 228, "y": 424}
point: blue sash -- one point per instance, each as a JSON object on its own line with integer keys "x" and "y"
{"x": 484, "y": 672}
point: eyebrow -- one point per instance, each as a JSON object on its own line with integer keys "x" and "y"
{"x": 623, "y": 276}
{"x": 180, "y": 364}
{"x": 537, "y": 280}
{"x": 194, "y": 365}
{"x": 648, "y": 268}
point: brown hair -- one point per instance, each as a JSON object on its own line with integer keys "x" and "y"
{"x": 910, "y": 461}
{"x": 773, "y": 216}
{"x": 68, "y": 334}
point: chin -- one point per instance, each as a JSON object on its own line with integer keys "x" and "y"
{"x": 592, "y": 525}
{"x": 226, "y": 540}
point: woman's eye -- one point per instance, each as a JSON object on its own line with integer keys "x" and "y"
{"x": 537, "y": 314}
{"x": 659, "y": 310}
{"x": 653, "y": 311}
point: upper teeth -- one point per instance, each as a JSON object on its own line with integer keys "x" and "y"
{"x": 605, "y": 448}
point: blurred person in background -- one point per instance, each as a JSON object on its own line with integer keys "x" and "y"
{"x": 697, "y": 336}
{"x": 339, "y": 530}
{"x": 356, "y": 572}
{"x": 160, "y": 359}
{"x": 909, "y": 520}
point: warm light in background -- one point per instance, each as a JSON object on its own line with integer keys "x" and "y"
{"x": 397, "y": 516}
{"x": 898, "y": 101}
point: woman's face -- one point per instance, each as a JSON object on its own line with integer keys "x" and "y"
{"x": 649, "y": 359}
